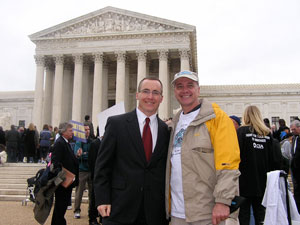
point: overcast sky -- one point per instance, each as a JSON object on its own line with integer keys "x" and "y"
{"x": 239, "y": 41}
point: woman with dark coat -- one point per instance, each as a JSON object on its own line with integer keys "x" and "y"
{"x": 45, "y": 142}
{"x": 29, "y": 142}
{"x": 259, "y": 154}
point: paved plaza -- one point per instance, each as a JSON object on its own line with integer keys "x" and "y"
{"x": 13, "y": 213}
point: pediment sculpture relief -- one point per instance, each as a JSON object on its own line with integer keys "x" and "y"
{"x": 110, "y": 23}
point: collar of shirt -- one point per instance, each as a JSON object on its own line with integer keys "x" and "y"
{"x": 65, "y": 139}
{"x": 194, "y": 109}
{"x": 153, "y": 125}
{"x": 295, "y": 144}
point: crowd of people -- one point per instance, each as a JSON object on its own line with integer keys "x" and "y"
{"x": 185, "y": 170}
{"x": 27, "y": 144}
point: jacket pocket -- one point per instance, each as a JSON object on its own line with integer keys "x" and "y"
{"x": 203, "y": 150}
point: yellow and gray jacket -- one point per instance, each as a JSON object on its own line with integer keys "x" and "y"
{"x": 210, "y": 158}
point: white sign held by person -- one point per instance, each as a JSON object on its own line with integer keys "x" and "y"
{"x": 112, "y": 111}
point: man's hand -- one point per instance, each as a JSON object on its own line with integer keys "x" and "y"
{"x": 79, "y": 152}
{"x": 104, "y": 210}
{"x": 220, "y": 212}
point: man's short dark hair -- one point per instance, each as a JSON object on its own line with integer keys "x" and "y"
{"x": 87, "y": 117}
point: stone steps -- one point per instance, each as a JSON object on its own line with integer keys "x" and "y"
{"x": 12, "y": 186}
{"x": 13, "y": 181}
{"x": 15, "y": 176}
{"x": 13, "y": 192}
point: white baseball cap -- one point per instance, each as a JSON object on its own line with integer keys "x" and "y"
{"x": 188, "y": 74}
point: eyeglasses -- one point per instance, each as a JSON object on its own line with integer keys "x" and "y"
{"x": 147, "y": 92}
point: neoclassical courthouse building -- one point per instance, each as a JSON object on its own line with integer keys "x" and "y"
{"x": 85, "y": 65}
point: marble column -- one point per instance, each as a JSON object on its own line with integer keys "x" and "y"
{"x": 163, "y": 109}
{"x": 148, "y": 67}
{"x": 48, "y": 98}
{"x": 77, "y": 88}
{"x": 142, "y": 69}
{"x": 39, "y": 89}
{"x": 184, "y": 59}
{"x": 87, "y": 90}
{"x": 105, "y": 86}
{"x": 67, "y": 90}
{"x": 98, "y": 87}
{"x": 58, "y": 90}
{"x": 120, "y": 78}
{"x": 127, "y": 84}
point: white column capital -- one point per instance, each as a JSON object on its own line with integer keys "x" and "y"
{"x": 78, "y": 58}
{"x": 59, "y": 59}
{"x": 163, "y": 54}
{"x": 49, "y": 65}
{"x": 184, "y": 53}
{"x": 98, "y": 57}
{"x": 184, "y": 59}
{"x": 141, "y": 55}
{"x": 39, "y": 60}
{"x": 121, "y": 56}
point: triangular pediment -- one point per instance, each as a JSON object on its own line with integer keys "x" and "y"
{"x": 110, "y": 20}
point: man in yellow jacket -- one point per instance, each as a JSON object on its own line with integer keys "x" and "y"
{"x": 203, "y": 159}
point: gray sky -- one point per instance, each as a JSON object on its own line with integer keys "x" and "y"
{"x": 239, "y": 41}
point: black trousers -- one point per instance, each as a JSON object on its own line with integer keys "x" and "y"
{"x": 258, "y": 211}
{"x": 93, "y": 212}
{"x": 62, "y": 198}
{"x": 297, "y": 194}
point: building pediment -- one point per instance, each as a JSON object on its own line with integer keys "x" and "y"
{"x": 110, "y": 21}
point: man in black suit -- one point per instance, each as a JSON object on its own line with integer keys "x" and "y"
{"x": 63, "y": 156}
{"x": 129, "y": 182}
{"x": 95, "y": 145}
{"x": 295, "y": 164}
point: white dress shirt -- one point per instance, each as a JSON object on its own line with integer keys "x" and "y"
{"x": 153, "y": 125}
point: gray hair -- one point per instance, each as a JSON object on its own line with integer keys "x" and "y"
{"x": 63, "y": 127}
{"x": 296, "y": 123}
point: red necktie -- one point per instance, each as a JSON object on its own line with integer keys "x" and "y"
{"x": 147, "y": 140}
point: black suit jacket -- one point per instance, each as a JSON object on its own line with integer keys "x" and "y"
{"x": 95, "y": 145}
{"x": 124, "y": 179}
{"x": 63, "y": 155}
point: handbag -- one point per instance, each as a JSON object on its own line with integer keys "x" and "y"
{"x": 70, "y": 178}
